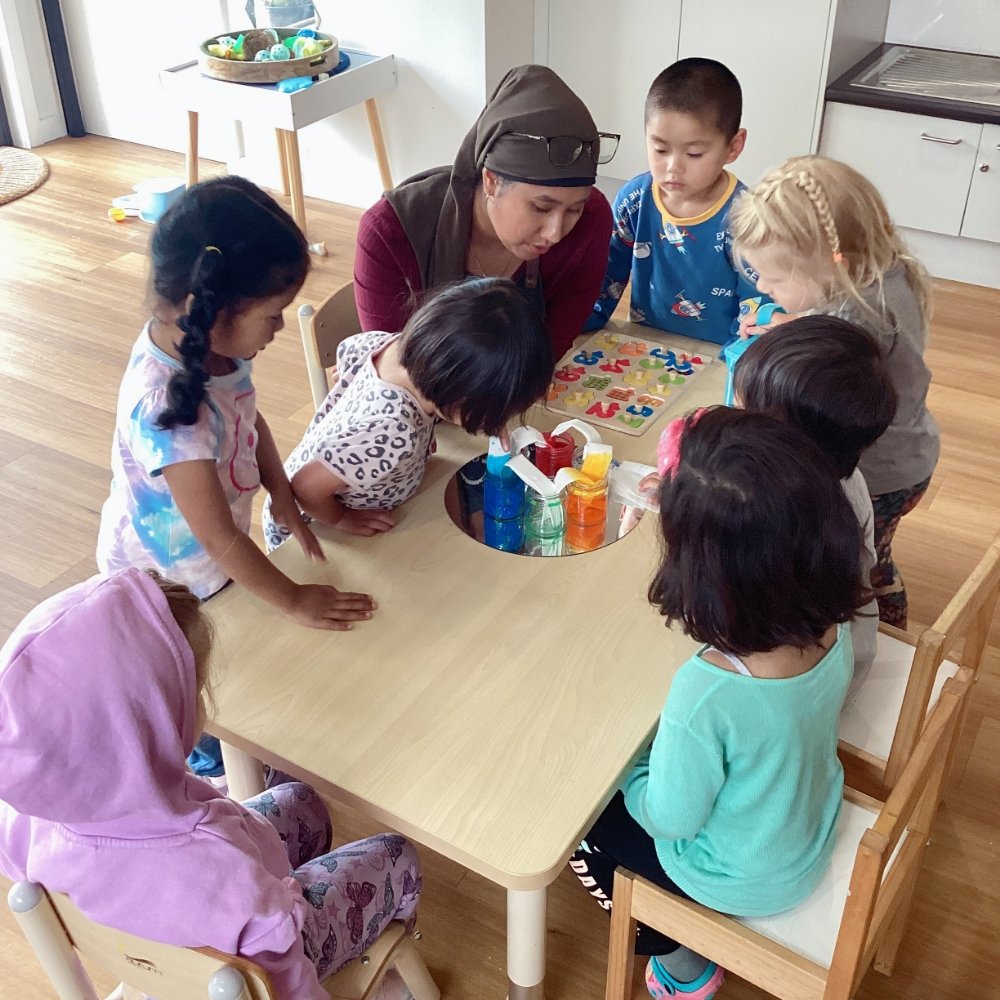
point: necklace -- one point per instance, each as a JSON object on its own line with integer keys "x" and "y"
{"x": 483, "y": 273}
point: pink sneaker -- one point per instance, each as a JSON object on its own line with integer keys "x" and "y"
{"x": 660, "y": 983}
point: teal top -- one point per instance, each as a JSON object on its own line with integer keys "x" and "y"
{"x": 742, "y": 787}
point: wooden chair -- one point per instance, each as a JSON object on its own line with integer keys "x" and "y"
{"x": 820, "y": 949}
{"x": 323, "y": 329}
{"x": 881, "y": 722}
{"x": 59, "y": 934}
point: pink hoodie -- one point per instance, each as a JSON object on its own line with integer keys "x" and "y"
{"x": 97, "y": 711}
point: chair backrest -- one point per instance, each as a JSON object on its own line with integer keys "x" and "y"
{"x": 969, "y": 615}
{"x": 891, "y": 852}
{"x": 881, "y": 884}
{"x": 57, "y": 930}
{"x": 323, "y": 329}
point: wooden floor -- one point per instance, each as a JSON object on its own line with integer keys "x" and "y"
{"x": 72, "y": 288}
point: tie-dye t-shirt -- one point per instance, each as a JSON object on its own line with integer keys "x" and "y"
{"x": 140, "y": 523}
{"x": 371, "y": 434}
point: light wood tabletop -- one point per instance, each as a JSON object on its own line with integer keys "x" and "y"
{"x": 490, "y": 707}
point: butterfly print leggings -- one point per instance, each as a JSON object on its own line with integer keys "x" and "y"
{"x": 354, "y": 891}
{"x": 887, "y": 581}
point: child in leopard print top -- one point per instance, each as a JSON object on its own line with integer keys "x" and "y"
{"x": 476, "y": 354}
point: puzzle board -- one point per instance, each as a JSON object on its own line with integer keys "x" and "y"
{"x": 623, "y": 382}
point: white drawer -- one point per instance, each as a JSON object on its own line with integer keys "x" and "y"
{"x": 923, "y": 166}
{"x": 982, "y": 213}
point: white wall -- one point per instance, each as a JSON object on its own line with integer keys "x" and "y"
{"x": 440, "y": 57}
{"x": 960, "y": 25}
{"x": 118, "y": 83}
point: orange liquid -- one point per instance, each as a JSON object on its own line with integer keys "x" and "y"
{"x": 586, "y": 517}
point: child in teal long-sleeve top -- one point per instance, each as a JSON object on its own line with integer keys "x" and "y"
{"x": 735, "y": 805}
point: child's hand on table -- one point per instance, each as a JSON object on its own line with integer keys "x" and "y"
{"x": 365, "y": 522}
{"x": 319, "y": 605}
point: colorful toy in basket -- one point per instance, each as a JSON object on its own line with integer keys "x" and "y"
{"x": 622, "y": 382}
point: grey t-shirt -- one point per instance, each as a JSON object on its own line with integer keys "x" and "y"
{"x": 907, "y": 452}
{"x": 864, "y": 624}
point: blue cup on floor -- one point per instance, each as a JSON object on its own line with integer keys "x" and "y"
{"x": 157, "y": 195}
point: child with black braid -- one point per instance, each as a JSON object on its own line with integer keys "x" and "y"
{"x": 190, "y": 448}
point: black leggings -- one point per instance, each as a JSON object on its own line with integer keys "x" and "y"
{"x": 617, "y": 839}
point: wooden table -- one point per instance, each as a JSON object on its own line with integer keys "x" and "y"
{"x": 365, "y": 79}
{"x": 489, "y": 709}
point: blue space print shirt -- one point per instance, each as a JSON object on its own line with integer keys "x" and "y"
{"x": 684, "y": 278}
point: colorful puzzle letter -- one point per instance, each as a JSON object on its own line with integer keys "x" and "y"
{"x": 616, "y": 367}
{"x": 604, "y": 410}
{"x": 599, "y": 382}
{"x": 567, "y": 374}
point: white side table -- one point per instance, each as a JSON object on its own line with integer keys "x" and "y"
{"x": 365, "y": 79}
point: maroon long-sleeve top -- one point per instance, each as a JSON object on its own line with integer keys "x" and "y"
{"x": 386, "y": 273}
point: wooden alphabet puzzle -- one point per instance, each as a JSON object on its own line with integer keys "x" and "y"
{"x": 623, "y": 382}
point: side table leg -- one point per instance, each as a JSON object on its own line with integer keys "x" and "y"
{"x": 526, "y": 944}
{"x": 192, "y": 150}
{"x": 283, "y": 161}
{"x": 378, "y": 143}
{"x": 244, "y": 774}
{"x": 295, "y": 177}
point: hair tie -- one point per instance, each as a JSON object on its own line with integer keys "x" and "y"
{"x": 213, "y": 250}
{"x": 838, "y": 258}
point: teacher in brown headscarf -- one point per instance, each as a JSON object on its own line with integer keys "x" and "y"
{"x": 519, "y": 202}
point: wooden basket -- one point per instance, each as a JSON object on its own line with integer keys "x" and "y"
{"x": 237, "y": 71}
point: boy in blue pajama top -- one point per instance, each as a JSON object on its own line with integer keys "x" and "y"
{"x": 671, "y": 232}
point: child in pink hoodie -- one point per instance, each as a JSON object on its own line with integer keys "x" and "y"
{"x": 107, "y": 678}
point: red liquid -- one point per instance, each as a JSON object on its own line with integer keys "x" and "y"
{"x": 557, "y": 455}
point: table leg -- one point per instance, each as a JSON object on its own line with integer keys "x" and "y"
{"x": 244, "y": 774}
{"x": 192, "y": 150}
{"x": 525, "y": 944}
{"x": 378, "y": 143}
{"x": 283, "y": 160}
{"x": 295, "y": 177}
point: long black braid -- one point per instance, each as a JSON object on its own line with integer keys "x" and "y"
{"x": 223, "y": 244}
{"x": 186, "y": 389}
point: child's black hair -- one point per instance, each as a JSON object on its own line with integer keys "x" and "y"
{"x": 479, "y": 351}
{"x": 827, "y": 377}
{"x": 761, "y": 546}
{"x": 225, "y": 243}
{"x": 700, "y": 87}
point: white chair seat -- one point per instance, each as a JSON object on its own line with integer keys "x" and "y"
{"x": 870, "y": 714}
{"x": 810, "y": 929}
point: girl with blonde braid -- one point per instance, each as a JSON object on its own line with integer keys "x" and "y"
{"x": 819, "y": 235}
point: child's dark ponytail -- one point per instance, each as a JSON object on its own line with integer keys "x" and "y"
{"x": 224, "y": 244}
{"x": 186, "y": 389}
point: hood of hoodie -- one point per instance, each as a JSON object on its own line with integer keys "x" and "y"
{"x": 98, "y": 706}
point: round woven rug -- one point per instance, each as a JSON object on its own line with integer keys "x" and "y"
{"x": 20, "y": 172}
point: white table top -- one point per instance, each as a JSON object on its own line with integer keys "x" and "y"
{"x": 367, "y": 76}
{"x": 490, "y": 707}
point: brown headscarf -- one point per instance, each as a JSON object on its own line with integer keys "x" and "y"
{"x": 435, "y": 207}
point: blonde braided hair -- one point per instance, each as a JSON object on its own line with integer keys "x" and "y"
{"x": 832, "y": 219}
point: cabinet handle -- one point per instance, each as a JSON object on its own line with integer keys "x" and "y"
{"x": 937, "y": 138}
